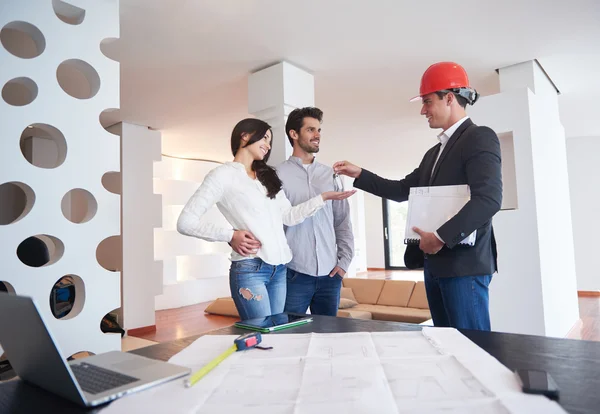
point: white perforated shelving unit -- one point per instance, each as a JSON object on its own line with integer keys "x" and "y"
{"x": 55, "y": 84}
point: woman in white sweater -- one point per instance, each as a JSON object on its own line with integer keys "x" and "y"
{"x": 248, "y": 192}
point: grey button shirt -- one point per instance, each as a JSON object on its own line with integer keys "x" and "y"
{"x": 324, "y": 240}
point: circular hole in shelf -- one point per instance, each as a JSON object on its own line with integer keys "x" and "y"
{"x": 110, "y": 47}
{"x": 78, "y": 79}
{"x": 22, "y": 39}
{"x": 110, "y": 322}
{"x": 79, "y": 206}
{"x": 109, "y": 253}
{"x": 110, "y": 117}
{"x": 40, "y": 250}
{"x": 7, "y": 287}
{"x": 43, "y": 146}
{"x": 68, "y": 13}
{"x": 19, "y": 91}
{"x": 80, "y": 355}
{"x": 67, "y": 297}
{"x": 16, "y": 201}
{"x": 111, "y": 181}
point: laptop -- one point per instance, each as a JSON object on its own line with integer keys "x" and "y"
{"x": 98, "y": 379}
{"x": 274, "y": 322}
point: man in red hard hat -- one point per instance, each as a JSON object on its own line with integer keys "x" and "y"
{"x": 457, "y": 275}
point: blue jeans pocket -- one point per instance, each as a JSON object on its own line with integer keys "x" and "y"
{"x": 246, "y": 266}
{"x": 291, "y": 275}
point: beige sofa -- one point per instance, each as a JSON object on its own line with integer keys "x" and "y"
{"x": 385, "y": 300}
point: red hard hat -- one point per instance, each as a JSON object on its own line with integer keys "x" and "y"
{"x": 443, "y": 76}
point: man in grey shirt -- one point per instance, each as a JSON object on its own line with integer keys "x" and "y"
{"x": 323, "y": 245}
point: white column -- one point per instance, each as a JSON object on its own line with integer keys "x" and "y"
{"x": 273, "y": 93}
{"x": 582, "y": 155}
{"x": 54, "y": 77}
{"x": 141, "y": 212}
{"x": 535, "y": 290}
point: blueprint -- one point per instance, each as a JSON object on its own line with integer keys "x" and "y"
{"x": 437, "y": 370}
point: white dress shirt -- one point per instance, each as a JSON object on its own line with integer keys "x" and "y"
{"x": 443, "y": 137}
{"x": 244, "y": 203}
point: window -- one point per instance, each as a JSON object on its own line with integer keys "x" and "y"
{"x": 394, "y": 224}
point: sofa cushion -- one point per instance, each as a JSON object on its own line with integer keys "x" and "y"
{"x": 223, "y": 306}
{"x": 347, "y": 293}
{"x": 355, "y": 314}
{"x": 408, "y": 315}
{"x": 395, "y": 313}
{"x": 418, "y": 299}
{"x": 365, "y": 290}
{"x": 346, "y": 303}
{"x": 396, "y": 292}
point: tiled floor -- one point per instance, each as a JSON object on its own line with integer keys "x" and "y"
{"x": 129, "y": 343}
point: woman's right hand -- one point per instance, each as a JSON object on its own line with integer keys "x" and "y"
{"x": 337, "y": 195}
{"x": 244, "y": 243}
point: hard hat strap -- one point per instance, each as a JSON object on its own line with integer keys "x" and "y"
{"x": 471, "y": 95}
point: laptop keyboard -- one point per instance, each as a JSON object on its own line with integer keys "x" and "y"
{"x": 94, "y": 380}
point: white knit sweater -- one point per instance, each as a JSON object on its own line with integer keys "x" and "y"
{"x": 244, "y": 203}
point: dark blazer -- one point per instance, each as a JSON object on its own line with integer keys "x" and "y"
{"x": 471, "y": 156}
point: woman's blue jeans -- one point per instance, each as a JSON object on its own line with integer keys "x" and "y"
{"x": 258, "y": 289}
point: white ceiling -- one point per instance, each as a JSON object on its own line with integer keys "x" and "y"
{"x": 184, "y": 63}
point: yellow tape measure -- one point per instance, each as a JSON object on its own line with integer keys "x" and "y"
{"x": 247, "y": 341}
{"x": 207, "y": 368}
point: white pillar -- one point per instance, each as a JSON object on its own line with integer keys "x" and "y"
{"x": 535, "y": 290}
{"x": 141, "y": 212}
{"x": 273, "y": 93}
{"x": 582, "y": 155}
{"x": 54, "y": 77}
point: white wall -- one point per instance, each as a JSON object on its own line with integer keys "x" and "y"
{"x": 365, "y": 136}
{"x": 194, "y": 270}
{"x": 582, "y": 156}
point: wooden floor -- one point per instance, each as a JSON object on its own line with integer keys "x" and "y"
{"x": 589, "y": 313}
{"x": 182, "y": 322}
{"x": 179, "y": 323}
